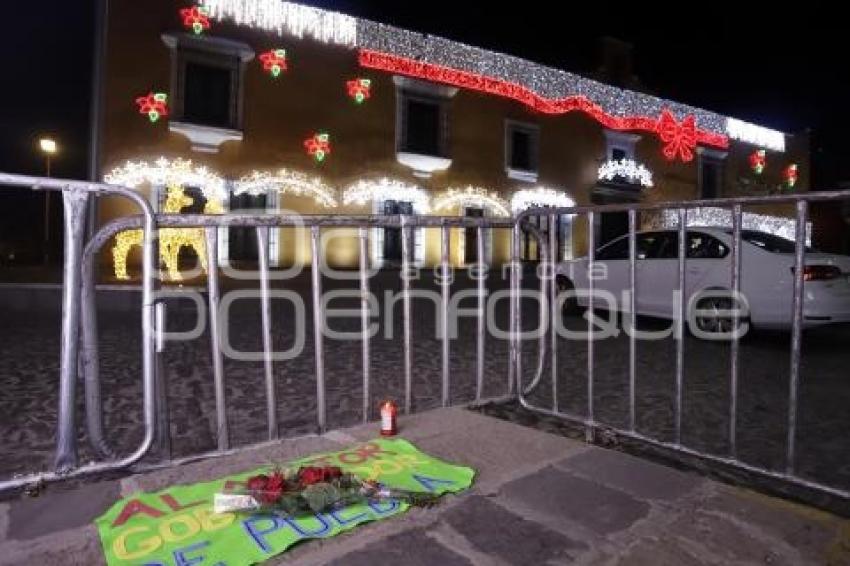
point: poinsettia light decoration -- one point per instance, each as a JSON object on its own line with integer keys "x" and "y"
{"x": 196, "y": 18}
{"x": 791, "y": 175}
{"x": 318, "y": 146}
{"x": 758, "y": 161}
{"x": 274, "y": 62}
{"x": 154, "y": 105}
{"x": 360, "y": 90}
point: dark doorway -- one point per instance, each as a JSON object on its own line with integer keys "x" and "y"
{"x": 392, "y": 236}
{"x": 243, "y": 241}
{"x": 612, "y": 225}
{"x": 471, "y": 237}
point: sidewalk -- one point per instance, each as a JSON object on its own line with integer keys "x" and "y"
{"x": 538, "y": 499}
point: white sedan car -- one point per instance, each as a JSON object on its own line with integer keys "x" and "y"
{"x": 767, "y": 279}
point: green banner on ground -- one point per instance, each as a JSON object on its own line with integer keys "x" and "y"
{"x": 177, "y": 526}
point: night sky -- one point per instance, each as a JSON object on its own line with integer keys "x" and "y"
{"x": 778, "y": 66}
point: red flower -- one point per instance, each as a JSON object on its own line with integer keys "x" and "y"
{"x": 257, "y": 483}
{"x": 273, "y": 489}
{"x": 311, "y": 475}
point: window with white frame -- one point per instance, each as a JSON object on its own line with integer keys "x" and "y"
{"x": 422, "y": 125}
{"x": 522, "y": 146}
{"x": 207, "y": 89}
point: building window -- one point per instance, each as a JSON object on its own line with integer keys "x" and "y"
{"x": 620, "y": 145}
{"x": 522, "y": 143}
{"x": 710, "y": 173}
{"x": 422, "y": 130}
{"x": 423, "y": 126}
{"x": 207, "y": 84}
{"x": 208, "y": 96}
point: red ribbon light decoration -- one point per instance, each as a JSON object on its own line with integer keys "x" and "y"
{"x": 472, "y": 81}
{"x": 154, "y": 106}
{"x": 196, "y": 18}
{"x": 680, "y": 137}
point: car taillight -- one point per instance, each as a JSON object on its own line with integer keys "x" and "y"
{"x": 820, "y": 272}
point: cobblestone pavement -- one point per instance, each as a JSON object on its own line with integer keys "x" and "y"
{"x": 29, "y": 370}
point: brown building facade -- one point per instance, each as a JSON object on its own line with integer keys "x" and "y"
{"x": 408, "y": 124}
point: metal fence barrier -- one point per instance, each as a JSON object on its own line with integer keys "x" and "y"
{"x": 80, "y": 318}
{"x": 589, "y": 420}
{"x": 79, "y": 324}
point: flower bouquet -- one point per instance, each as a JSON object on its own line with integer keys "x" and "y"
{"x": 311, "y": 490}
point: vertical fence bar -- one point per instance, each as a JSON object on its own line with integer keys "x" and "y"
{"x": 364, "y": 321}
{"x": 445, "y": 241}
{"x": 218, "y": 363}
{"x": 591, "y": 287}
{"x": 736, "y": 291}
{"x": 553, "y": 307}
{"x": 682, "y": 306}
{"x": 632, "y": 318}
{"x": 76, "y": 203}
{"x": 796, "y": 333}
{"x": 318, "y": 334}
{"x": 482, "y": 313}
{"x": 516, "y": 321}
{"x": 405, "y": 287}
{"x": 266, "y": 310}
{"x": 163, "y": 422}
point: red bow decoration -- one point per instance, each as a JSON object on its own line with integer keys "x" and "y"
{"x": 681, "y": 138}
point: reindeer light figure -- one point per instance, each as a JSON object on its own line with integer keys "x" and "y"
{"x": 171, "y": 240}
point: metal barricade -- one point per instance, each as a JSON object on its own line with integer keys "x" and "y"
{"x": 76, "y": 197}
{"x": 80, "y": 319}
{"x": 589, "y": 420}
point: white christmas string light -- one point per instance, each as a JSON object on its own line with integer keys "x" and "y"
{"x": 285, "y": 181}
{"x": 472, "y": 196}
{"x": 722, "y": 218}
{"x": 540, "y": 197}
{"x": 628, "y": 169}
{"x": 365, "y": 191}
{"x": 179, "y": 172}
{"x": 755, "y": 135}
{"x": 287, "y": 17}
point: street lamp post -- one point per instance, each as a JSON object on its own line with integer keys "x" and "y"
{"x": 48, "y": 148}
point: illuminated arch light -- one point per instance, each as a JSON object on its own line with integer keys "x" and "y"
{"x": 540, "y": 197}
{"x": 287, "y": 17}
{"x": 288, "y": 182}
{"x": 365, "y": 191}
{"x": 472, "y": 196}
{"x": 164, "y": 172}
{"x": 627, "y": 169}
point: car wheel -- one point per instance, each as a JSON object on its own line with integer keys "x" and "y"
{"x": 713, "y": 321}
{"x": 570, "y": 303}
